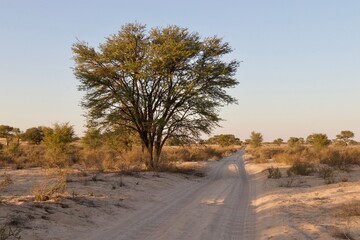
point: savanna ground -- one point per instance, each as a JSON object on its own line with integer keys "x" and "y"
{"x": 297, "y": 192}
{"x": 307, "y": 193}
{"x": 42, "y": 197}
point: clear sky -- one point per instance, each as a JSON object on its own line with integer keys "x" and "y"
{"x": 300, "y": 75}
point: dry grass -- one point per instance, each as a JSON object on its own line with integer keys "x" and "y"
{"x": 53, "y": 186}
{"x": 107, "y": 160}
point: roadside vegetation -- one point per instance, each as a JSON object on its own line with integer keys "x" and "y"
{"x": 299, "y": 169}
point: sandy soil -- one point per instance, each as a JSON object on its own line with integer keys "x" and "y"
{"x": 215, "y": 208}
{"x": 235, "y": 200}
{"x": 305, "y": 207}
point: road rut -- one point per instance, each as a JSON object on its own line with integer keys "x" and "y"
{"x": 218, "y": 207}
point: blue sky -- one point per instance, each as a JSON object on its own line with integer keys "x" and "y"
{"x": 300, "y": 75}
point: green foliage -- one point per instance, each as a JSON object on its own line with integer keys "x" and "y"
{"x": 8, "y": 133}
{"x": 278, "y": 141}
{"x": 178, "y": 141}
{"x": 57, "y": 141}
{"x": 119, "y": 139}
{"x": 256, "y": 139}
{"x": 295, "y": 142}
{"x": 162, "y": 83}
{"x": 318, "y": 140}
{"x": 345, "y": 137}
{"x": 33, "y": 135}
{"x": 93, "y": 138}
{"x": 274, "y": 172}
{"x": 224, "y": 140}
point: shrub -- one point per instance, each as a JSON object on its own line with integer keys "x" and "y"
{"x": 341, "y": 160}
{"x": 57, "y": 141}
{"x": 9, "y": 233}
{"x": 318, "y": 140}
{"x": 256, "y": 139}
{"x": 274, "y": 172}
{"x": 287, "y": 158}
{"x": 50, "y": 188}
{"x": 301, "y": 168}
{"x": 327, "y": 173}
{"x": 270, "y": 152}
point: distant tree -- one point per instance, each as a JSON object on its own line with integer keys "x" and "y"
{"x": 345, "y": 136}
{"x": 224, "y": 140}
{"x": 7, "y": 133}
{"x": 318, "y": 140}
{"x": 93, "y": 138}
{"x": 33, "y": 135}
{"x": 256, "y": 139}
{"x": 278, "y": 141}
{"x": 57, "y": 140}
{"x": 295, "y": 142}
{"x": 162, "y": 83}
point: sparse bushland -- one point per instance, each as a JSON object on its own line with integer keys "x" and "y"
{"x": 305, "y": 159}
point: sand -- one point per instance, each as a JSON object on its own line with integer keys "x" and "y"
{"x": 235, "y": 200}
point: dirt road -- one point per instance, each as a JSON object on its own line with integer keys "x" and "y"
{"x": 218, "y": 207}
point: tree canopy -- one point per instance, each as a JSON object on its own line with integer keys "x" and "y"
{"x": 33, "y": 135}
{"x": 162, "y": 83}
{"x": 256, "y": 139}
{"x": 318, "y": 140}
{"x": 345, "y": 137}
{"x": 224, "y": 140}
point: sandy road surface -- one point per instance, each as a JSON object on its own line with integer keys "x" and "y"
{"x": 218, "y": 207}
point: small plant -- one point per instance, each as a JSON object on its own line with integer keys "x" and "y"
{"x": 327, "y": 173}
{"x": 6, "y": 181}
{"x": 288, "y": 183}
{"x": 46, "y": 190}
{"x": 9, "y": 233}
{"x": 274, "y": 172}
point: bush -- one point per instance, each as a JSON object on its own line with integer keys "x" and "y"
{"x": 287, "y": 158}
{"x": 274, "y": 172}
{"x": 50, "y": 188}
{"x": 327, "y": 173}
{"x": 270, "y": 152}
{"x": 301, "y": 168}
{"x": 341, "y": 160}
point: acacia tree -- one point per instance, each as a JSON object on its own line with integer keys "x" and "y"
{"x": 166, "y": 82}
{"x": 33, "y": 135}
{"x": 7, "y": 133}
{"x": 224, "y": 140}
{"x": 318, "y": 140}
{"x": 278, "y": 141}
{"x": 256, "y": 139}
{"x": 345, "y": 137}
